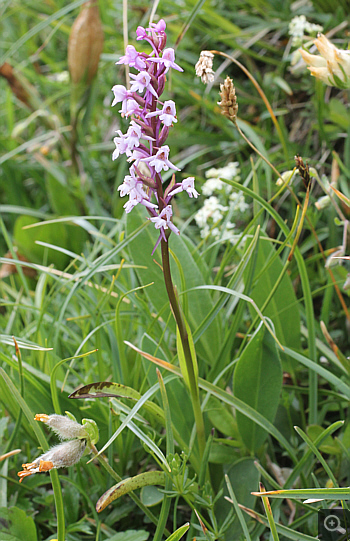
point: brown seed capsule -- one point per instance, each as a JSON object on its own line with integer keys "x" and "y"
{"x": 85, "y": 44}
{"x": 303, "y": 169}
{"x": 17, "y": 88}
{"x": 228, "y": 103}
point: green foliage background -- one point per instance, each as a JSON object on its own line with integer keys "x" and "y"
{"x": 97, "y": 285}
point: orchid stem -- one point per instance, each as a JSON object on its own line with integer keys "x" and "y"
{"x": 198, "y": 416}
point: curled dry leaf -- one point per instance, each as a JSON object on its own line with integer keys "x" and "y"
{"x": 85, "y": 44}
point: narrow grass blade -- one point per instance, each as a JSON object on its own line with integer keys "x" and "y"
{"x": 237, "y": 509}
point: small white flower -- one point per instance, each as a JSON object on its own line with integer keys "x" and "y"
{"x": 120, "y": 95}
{"x": 130, "y": 182}
{"x": 132, "y": 108}
{"x": 211, "y": 185}
{"x": 238, "y": 202}
{"x": 133, "y": 135}
{"x": 211, "y": 209}
{"x": 299, "y": 26}
{"x": 188, "y": 186}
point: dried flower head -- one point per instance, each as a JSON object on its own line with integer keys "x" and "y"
{"x": 304, "y": 171}
{"x": 63, "y": 426}
{"x": 80, "y": 436}
{"x": 204, "y": 67}
{"x": 228, "y": 103}
{"x": 332, "y": 67}
{"x": 63, "y": 455}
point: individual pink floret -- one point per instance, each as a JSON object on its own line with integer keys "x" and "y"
{"x": 167, "y": 115}
{"x": 163, "y": 220}
{"x": 132, "y": 58}
{"x": 187, "y": 185}
{"x": 142, "y": 82}
{"x": 122, "y": 146}
{"x": 168, "y": 59}
{"x": 160, "y": 160}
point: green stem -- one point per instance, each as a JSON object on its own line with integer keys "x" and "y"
{"x": 194, "y": 390}
{"x": 59, "y": 505}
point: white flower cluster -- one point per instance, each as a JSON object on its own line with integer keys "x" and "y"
{"x": 299, "y": 26}
{"x": 213, "y": 218}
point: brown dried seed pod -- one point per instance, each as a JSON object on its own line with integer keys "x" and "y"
{"x": 303, "y": 169}
{"x": 17, "y": 88}
{"x": 85, "y": 44}
{"x": 228, "y": 103}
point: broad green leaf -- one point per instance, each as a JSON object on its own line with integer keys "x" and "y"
{"x": 243, "y": 477}
{"x": 257, "y": 381}
{"x": 58, "y": 192}
{"x": 63, "y": 235}
{"x": 130, "y": 535}
{"x": 223, "y": 454}
{"x": 222, "y": 418}
{"x": 283, "y": 308}
{"x": 329, "y": 446}
{"x": 25, "y": 240}
{"x": 151, "y": 496}
{"x": 15, "y": 525}
{"x": 198, "y": 301}
{"x": 127, "y": 485}
{"x": 339, "y": 114}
